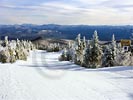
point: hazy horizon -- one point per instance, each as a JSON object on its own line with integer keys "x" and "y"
{"x": 71, "y": 24}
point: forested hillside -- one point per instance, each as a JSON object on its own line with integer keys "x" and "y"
{"x": 29, "y": 31}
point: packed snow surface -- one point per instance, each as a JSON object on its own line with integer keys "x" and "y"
{"x": 43, "y": 77}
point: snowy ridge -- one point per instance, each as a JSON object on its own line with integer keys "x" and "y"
{"x": 43, "y": 77}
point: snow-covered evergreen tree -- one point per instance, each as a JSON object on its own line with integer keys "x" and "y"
{"x": 131, "y": 43}
{"x": 88, "y": 43}
{"x": 69, "y": 44}
{"x": 53, "y": 47}
{"x": 64, "y": 55}
{"x": 123, "y": 59}
{"x": 78, "y": 39}
{"x": 94, "y": 54}
{"x": 4, "y": 56}
{"x": 14, "y": 50}
{"x": 5, "y": 42}
{"x": 70, "y": 52}
{"x": 84, "y": 42}
{"x": 90, "y": 54}
{"x": 114, "y": 49}
{"x": 107, "y": 59}
{"x": 87, "y": 57}
{"x": 111, "y": 53}
{"x": 79, "y": 56}
{"x": 12, "y": 54}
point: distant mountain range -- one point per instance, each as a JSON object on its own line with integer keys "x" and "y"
{"x": 29, "y": 31}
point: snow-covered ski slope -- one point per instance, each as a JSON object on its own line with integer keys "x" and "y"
{"x": 43, "y": 77}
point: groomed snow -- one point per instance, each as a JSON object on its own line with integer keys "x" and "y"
{"x": 43, "y": 77}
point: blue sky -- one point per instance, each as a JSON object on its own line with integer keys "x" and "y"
{"x": 90, "y": 12}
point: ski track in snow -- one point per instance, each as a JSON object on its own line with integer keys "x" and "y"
{"x": 43, "y": 77}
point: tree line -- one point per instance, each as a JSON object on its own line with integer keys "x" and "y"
{"x": 90, "y": 54}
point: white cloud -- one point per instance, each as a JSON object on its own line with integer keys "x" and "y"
{"x": 90, "y": 1}
{"x": 91, "y": 12}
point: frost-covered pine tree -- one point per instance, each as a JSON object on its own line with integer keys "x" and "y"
{"x": 113, "y": 49}
{"x": 95, "y": 53}
{"x": 12, "y": 54}
{"x": 84, "y": 42}
{"x": 114, "y": 44}
{"x": 53, "y": 47}
{"x": 78, "y": 39}
{"x": 14, "y": 50}
{"x": 88, "y": 43}
{"x": 56, "y": 47}
{"x": 70, "y": 52}
{"x": 123, "y": 58}
{"x": 87, "y": 54}
{"x": 107, "y": 59}
{"x": 79, "y": 56}
{"x": 4, "y": 56}
{"x": 77, "y": 43}
{"x": 132, "y": 43}
{"x": 110, "y": 54}
{"x": 64, "y": 55}
{"x": 5, "y": 42}
{"x": 69, "y": 44}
